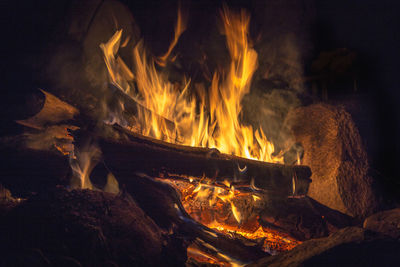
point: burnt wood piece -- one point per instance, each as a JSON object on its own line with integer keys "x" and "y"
{"x": 132, "y": 108}
{"x": 24, "y": 171}
{"x": 162, "y": 204}
{"x": 302, "y": 218}
{"x": 85, "y": 228}
{"x": 350, "y": 246}
{"x": 139, "y": 154}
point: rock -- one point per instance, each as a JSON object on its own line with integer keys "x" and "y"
{"x": 386, "y": 222}
{"x": 87, "y": 228}
{"x": 351, "y": 246}
{"x": 334, "y": 151}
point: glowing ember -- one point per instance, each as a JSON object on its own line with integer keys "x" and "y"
{"x": 231, "y": 212}
{"x": 210, "y": 121}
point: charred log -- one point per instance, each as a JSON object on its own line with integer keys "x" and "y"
{"x": 27, "y": 171}
{"x": 131, "y": 109}
{"x": 302, "y": 218}
{"x": 138, "y": 154}
{"x": 85, "y": 228}
{"x": 351, "y": 246}
{"x": 162, "y": 204}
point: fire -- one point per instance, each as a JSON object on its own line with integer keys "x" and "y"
{"x": 231, "y": 212}
{"x": 180, "y": 27}
{"x": 210, "y": 121}
{"x": 82, "y": 163}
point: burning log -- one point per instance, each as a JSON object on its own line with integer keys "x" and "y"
{"x": 138, "y": 154}
{"x": 132, "y": 108}
{"x": 162, "y": 204}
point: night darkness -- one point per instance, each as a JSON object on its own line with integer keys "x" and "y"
{"x": 367, "y": 27}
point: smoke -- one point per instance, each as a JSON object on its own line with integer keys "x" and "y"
{"x": 283, "y": 45}
{"x": 283, "y": 48}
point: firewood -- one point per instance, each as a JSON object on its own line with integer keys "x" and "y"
{"x": 139, "y": 154}
{"x": 132, "y": 108}
{"x": 302, "y": 218}
{"x": 162, "y": 204}
{"x": 334, "y": 150}
{"x": 53, "y": 111}
{"x": 28, "y": 170}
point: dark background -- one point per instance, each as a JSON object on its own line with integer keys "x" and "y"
{"x": 367, "y": 27}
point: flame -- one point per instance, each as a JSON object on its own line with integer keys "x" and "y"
{"x": 231, "y": 212}
{"x": 82, "y": 162}
{"x": 212, "y": 120}
{"x": 180, "y": 27}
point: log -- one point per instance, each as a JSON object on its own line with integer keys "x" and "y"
{"x": 334, "y": 150}
{"x": 132, "y": 108}
{"x": 302, "y": 218}
{"x": 139, "y": 154}
{"x": 85, "y": 228}
{"x": 53, "y": 111}
{"x": 162, "y": 204}
{"x": 350, "y": 246}
{"x": 28, "y": 170}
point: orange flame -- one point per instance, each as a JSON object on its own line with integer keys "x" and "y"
{"x": 211, "y": 121}
{"x": 180, "y": 27}
{"x": 231, "y": 212}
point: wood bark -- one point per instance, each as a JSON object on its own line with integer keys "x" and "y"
{"x": 138, "y": 154}
{"x": 53, "y": 111}
{"x": 132, "y": 108}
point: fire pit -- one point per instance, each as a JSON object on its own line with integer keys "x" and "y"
{"x": 141, "y": 158}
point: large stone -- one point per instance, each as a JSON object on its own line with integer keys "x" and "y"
{"x": 334, "y": 151}
{"x": 386, "y": 222}
{"x": 351, "y": 246}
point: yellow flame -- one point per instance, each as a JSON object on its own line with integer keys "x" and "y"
{"x": 210, "y": 121}
{"x": 180, "y": 27}
{"x": 82, "y": 163}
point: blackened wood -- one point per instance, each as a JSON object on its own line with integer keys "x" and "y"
{"x": 138, "y": 154}
{"x": 162, "y": 204}
{"x": 24, "y": 171}
{"x": 85, "y": 228}
{"x": 132, "y": 108}
{"x": 302, "y": 218}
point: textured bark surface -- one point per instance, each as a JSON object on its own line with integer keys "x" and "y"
{"x": 85, "y": 228}
{"x": 25, "y": 171}
{"x": 386, "y": 222}
{"x": 137, "y": 153}
{"x": 334, "y": 151}
{"x": 351, "y": 246}
{"x": 303, "y": 218}
{"x": 52, "y": 111}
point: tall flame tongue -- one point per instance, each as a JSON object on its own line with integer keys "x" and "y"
{"x": 210, "y": 121}
{"x": 215, "y": 125}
